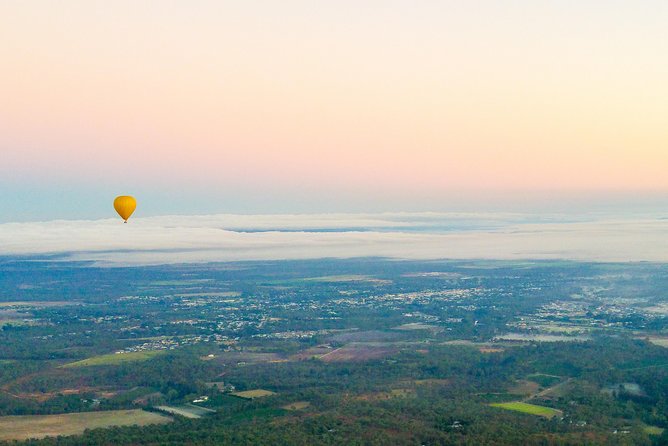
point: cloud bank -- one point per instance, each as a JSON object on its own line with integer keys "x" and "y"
{"x": 177, "y": 239}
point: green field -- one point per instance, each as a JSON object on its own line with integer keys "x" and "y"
{"x": 532, "y": 409}
{"x": 40, "y": 426}
{"x": 251, "y": 394}
{"x": 115, "y": 358}
{"x": 653, "y": 430}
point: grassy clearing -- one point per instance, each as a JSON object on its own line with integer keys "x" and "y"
{"x": 653, "y": 430}
{"x": 252, "y": 394}
{"x": 661, "y": 342}
{"x": 544, "y": 379}
{"x": 115, "y": 359}
{"x": 39, "y": 426}
{"x": 532, "y": 409}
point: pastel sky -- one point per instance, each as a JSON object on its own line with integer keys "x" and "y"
{"x": 299, "y": 106}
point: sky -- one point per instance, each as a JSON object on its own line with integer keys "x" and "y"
{"x": 261, "y": 107}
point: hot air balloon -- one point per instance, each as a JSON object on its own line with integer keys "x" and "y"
{"x": 125, "y": 205}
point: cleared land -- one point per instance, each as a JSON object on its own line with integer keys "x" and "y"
{"x": 368, "y": 336}
{"x": 115, "y": 358}
{"x": 39, "y": 426}
{"x": 491, "y": 349}
{"x": 313, "y": 352}
{"x": 252, "y": 394}
{"x": 524, "y": 387}
{"x": 357, "y": 353}
{"x": 661, "y": 342}
{"x": 297, "y": 405}
{"x": 417, "y": 326}
{"x": 653, "y": 430}
{"x": 431, "y": 382}
{"x": 187, "y": 410}
{"x": 532, "y": 409}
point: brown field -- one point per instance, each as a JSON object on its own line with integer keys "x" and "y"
{"x": 356, "y": 353}
{"x": 313, "y": 352}
{"x": 524, "y": 387}
{"x": 297, "y": 405}
{"x": 490, "y": 349}
{"x": 367, "y": 336}
{"x": 432, "y": 382}
{"x": 44, "y": 396}
{"x": 252, "y": 394}
{"x": 418, "y": 326}
{"x": 39, "y": 426}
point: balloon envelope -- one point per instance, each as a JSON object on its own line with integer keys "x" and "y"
{"x": 125, "y": 205}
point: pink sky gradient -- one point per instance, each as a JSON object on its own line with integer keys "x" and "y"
{"x": 372, "y": 97}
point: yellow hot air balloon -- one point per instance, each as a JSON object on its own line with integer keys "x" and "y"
{"x": 125, "y": 205}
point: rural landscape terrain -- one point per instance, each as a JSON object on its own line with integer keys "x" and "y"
{"x": 366, "y": 351}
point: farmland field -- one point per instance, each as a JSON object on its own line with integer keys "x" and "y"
{"x": 186, "y": 410}
{"x": 251, "y": 394}
{"x": 357, "y": 353}
{"x": 524, "y": 387}
{"x": 115, "y": 358}
{"x": 532, "y": 409}
{"x": 38, "y": 426}
{"x": 297, "y": 405}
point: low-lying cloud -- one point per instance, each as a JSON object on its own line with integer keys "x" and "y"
{"x": 176, "y": 239}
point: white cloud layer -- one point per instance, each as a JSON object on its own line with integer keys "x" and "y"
{"x": 175, "y": 239}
